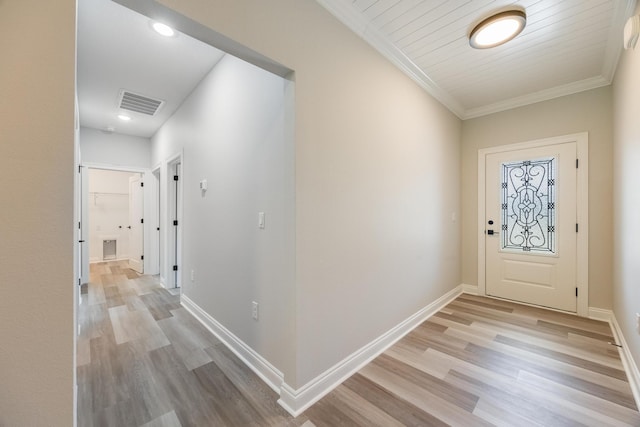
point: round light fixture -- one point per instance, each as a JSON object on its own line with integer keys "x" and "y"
{"x": 124, "y": 117}
{"x": 497, "y": 29}
{"x": 163, "y": 29}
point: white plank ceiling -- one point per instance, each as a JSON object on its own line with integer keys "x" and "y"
{"x": 567, "y": 46}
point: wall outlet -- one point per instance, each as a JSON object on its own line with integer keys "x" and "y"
{"x": 193, "y": 275}
{"x": 254, "y": 310}
{"x": 260, "y": 219}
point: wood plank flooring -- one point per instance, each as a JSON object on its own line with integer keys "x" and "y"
{"x": 143, "y": 360}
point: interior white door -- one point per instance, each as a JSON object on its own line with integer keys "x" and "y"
{"x": 136, "y": 224}
{"x": 530, "y": 225}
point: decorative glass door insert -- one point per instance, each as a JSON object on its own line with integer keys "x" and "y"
{"x": 528, "y": 206}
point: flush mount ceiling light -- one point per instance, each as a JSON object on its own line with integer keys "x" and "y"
{"x": 124, "y": 117}
{"x": 163, "y": 29}
{"x": 497, "y": 29}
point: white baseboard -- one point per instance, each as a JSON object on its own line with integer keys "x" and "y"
{"x": 75, "y": 402}
{"x": 469, "y": 289}
{"x": 99, "y": 260}
{"x": 629, "y": 364}
{"x": 258, "y": 364}
{"x": 297, "y": 401}
{"x": 600, "y": 314}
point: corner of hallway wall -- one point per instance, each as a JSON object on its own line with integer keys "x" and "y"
{"x": 37, "y": 132}
{"x": 589, "y": 111}
{"x": 628, "y": 361}
{"x": 377, "y": 178}
{"x": 626, "y": 197}
{"x": 296, "y": 401}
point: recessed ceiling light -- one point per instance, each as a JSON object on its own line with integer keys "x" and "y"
{"x": 163, "y": 29}
{"x": 124, "y": 117}
{"x": 497, "y": 29}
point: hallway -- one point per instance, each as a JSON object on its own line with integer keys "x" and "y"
{"x": 143, "y": 360}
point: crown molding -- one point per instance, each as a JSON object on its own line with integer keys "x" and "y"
{"x": 532, "y": 98}
{"x": 355, "y": 21}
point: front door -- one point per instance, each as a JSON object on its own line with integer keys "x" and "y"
{"x": 530, "y": 225}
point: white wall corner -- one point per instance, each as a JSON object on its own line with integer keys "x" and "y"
{"x": 297, "y": 401}
{"x": 629, "y": 364}
{"x": 258, "y": 364}
{"x": 600, "y": 314}
{"x": 622, "y": 11}
{"x": 289, "y": 400}
{"x": 469, "y": 289}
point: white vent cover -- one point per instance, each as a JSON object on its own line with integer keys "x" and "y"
{"x": 139, "y": 103}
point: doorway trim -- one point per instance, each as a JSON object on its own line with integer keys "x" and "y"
{"x": 156, "y": 224}
{"x": 148, "y": 208}
{"x": 582, "y": 193}
{"x": 173, "y": 250}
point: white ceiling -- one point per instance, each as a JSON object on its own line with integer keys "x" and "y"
{"x": 567, "y": 46}
{"x": 117, "y": 49}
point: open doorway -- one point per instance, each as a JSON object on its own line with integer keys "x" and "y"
{"x": 114, "y": 230}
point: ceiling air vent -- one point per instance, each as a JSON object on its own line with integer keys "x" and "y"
{"x": 138, "y": 103}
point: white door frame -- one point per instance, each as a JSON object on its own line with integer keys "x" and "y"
{"x": 148, "y": 208}
{"x": 173, "y": 236}
{"x": 84, "y": 223}
{"x": 154, "y": 192}
{"x": 582, "y": 192}
{"x": 136, "y": 191}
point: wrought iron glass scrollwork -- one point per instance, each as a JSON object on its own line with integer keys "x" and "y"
{"x": 528, "y": 206}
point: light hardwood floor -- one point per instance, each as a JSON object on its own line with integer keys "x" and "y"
{"x": 144, "y": 361}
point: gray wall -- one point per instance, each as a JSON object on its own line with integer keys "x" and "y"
{"x": 231, "y": 131}
{"x": 626, "y": 109}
